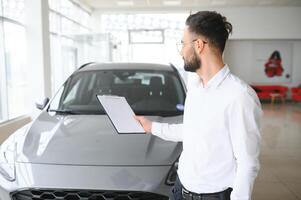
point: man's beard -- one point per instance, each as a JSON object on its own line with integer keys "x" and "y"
{"x": 193, "y": 65}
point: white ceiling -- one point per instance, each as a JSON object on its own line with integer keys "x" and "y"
{"x": 181, "y": 4}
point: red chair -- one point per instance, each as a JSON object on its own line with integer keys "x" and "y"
{"x": 265, "y": 91}
{"x": 296, "y": 93}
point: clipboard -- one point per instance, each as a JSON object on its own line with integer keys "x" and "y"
{"x": 120, "y": 114}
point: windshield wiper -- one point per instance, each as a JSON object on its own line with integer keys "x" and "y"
{"x": 68, "y": 112}
{"x": 75, "y": 112}
{"x": 160, "y": 113}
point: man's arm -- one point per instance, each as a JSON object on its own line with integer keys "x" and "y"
{"x": 170, "y": 132}
{"x": 244, "y": 124}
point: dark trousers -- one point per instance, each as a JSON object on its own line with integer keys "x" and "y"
{"x": 176, "y": 193}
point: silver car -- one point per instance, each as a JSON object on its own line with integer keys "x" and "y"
{"x": 72, "y": 151}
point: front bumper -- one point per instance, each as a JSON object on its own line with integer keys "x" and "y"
{"x": 59, "y": 194}
{"x": 96, "y": 180}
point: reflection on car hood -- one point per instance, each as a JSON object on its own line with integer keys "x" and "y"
{"x": 92, "y": 140}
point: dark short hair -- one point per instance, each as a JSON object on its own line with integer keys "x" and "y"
{"x": 212, "y": 25}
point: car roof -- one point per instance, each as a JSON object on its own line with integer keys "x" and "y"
{"x": 126, "y": 66}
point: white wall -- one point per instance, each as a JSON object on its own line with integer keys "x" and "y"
{"x": 253, "y": 26}
{"x": 296, "y": 75}
{"x": 240, "y": 56}
{"x": 264, "y": 22}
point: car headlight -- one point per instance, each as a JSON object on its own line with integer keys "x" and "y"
{"x": 172, "y": 174}
{"x": 8, "y": 154}
{"x": 7, "y": 163}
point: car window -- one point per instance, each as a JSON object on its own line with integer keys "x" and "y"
{"x": 72, "y": 94}
{"x": 147, "y": 92}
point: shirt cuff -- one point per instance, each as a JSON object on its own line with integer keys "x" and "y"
{"x": 234, "y": 198}
{"x": 156, "y": 128}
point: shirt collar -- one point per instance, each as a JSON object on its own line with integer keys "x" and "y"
{"x": 218, "y": 78}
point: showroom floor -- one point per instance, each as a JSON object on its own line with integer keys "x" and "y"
{"x": 280, "y": 174}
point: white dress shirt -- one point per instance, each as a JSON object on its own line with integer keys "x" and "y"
{"x": 220, "y": 135}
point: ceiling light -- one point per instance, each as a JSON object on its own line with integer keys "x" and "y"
{"x": 125, "y": 3}
{"x": 171, "y": 3}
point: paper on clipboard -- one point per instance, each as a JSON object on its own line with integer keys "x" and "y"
{"x": 120, "y": 114}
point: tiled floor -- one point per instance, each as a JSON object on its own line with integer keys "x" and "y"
{"x": 280, "y": 174}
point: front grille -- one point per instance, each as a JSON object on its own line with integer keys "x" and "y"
{"x": 60, "y": 194}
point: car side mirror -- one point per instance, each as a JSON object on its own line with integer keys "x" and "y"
{"x": 41, "y": 105}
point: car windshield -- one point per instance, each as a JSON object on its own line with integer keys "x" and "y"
{"x": 147, "y": 92}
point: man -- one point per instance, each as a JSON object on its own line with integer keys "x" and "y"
{"x": 220, "y": 130}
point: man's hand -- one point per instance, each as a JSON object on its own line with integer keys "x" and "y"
{"x": 146, "y": 124}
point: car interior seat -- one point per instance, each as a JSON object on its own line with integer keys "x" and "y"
{"x": 156, "y": 87}
{"x": 102, "y": 86}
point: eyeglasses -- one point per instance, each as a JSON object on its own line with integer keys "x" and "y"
{"x": 181, "y": 44}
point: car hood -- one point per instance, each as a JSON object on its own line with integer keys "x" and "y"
{"x": 92, "y": 140}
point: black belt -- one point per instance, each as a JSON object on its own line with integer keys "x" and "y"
{"x": 187, "y": 195}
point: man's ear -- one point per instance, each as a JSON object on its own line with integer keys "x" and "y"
{"x": 199, "y": 46}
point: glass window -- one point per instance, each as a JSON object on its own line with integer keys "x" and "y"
{"x": 56, "y": 63}
{"x": 1, "y": 12}
{"x": 69, "y": 58}
{"x": 16, "y": 72}
{"x": 66, "y": 8}
{"x": 66, "y": 21}
{"x": 76, "y": 13}
{"x": 54, "y": 5}
{"x": 13, "y": 85}
{"x": 84, "y": 17}
{"x": 54, "y": 22}
{"x": 71, "y": 96}
{"x": 67, "y": 17}
{"x": 13, "y": 9}
{"x": 66, "y": 26}
{"x": 148, "y": 92}
{"x": 56, "y": 101}
{"x": 3, "y": 89}
{"x": 146, "y": 36}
